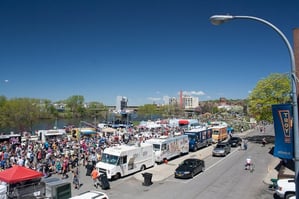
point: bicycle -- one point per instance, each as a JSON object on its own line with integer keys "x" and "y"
{"x": 250, "y": 167}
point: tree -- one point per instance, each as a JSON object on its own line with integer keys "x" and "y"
{"x": 275, "y": 89}
{"x": 96, "y": 110}
{"x": 19, "y": 114}
{"x": 148, "y": 111}
{"x": 75, "y": 103}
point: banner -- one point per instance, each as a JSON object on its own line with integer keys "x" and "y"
{"x": 283, "y": 127}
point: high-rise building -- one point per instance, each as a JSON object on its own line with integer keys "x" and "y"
{"x": 190, "y": 102}
{"x": 185, "y": 101}
{"x": 121, "y": 103}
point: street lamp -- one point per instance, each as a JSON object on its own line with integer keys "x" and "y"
{"x": 219, "y": 19}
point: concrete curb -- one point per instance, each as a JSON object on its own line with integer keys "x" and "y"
{"x": 272, "y": 172}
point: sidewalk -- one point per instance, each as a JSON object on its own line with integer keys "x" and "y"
{"x": 277, "y": 171}
{"x": 272, "y": 172}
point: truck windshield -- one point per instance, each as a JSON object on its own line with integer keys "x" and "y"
{"x": 110, "y": 159}
{"x": 191, "y": 137}
{"x": 156, "y": 147}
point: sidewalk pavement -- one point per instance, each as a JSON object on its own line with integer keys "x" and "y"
{"x": 277, "y": 171}
{"x": 272, "y": 172}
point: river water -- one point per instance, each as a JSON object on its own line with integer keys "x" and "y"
{"x": 45, "y": 124}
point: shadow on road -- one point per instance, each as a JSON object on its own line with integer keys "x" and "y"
{"x": 258, "y": 138}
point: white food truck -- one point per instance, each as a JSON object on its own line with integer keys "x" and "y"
{"x": 122, "y": 160}
{"x": 166, "y": 148}
{"x": 45, "y": 135}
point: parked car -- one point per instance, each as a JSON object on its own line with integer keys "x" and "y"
{"x": 91, "y": 194}
{"x": 221, "y": 149}
{"x": 189, "y": 168}
{"x": 235, "y": 141}
{"x": 285, "y": 188}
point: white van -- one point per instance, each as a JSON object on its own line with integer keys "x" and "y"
{"x": 91, "y": 195}
{"x": 122, "y": 160}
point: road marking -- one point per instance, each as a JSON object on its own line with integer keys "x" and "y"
{"x": 222, "y": 159}
{"x": 185, "y": 181}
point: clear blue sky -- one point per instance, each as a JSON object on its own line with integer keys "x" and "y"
{"x": 141, "y": 49}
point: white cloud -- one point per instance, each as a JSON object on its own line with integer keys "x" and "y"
{"x": 192, "y": 93}
{"x": 154, "y": 99}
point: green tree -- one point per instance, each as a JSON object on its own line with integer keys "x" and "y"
{"x": 19, "y": 114}
{"x": 148, "y": 110}
{"x": 96, "y": 110}
{"x": 2, "y": 100}
{"x": 75, "y": 104}
{"x": 275, "y": 89}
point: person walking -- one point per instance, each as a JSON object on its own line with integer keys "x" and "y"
{"x": 89, "y": 167}
{"x": 76, "y": 180}
{"x": 95, "y": 175}
{"x": 264, "y": 142}
{"x": 245, "y": 144}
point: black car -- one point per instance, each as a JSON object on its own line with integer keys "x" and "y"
{"x": 189, "y": 168}
{"x": 235, "y": 141}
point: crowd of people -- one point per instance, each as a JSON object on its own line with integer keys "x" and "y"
{"x": 63, "y": 155}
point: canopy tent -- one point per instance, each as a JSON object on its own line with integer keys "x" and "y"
{"x": 87, "y": 131}
{"x": 109, "y": 130}
{"x": 17, "y": 174}
{"x": 183, "y": 122}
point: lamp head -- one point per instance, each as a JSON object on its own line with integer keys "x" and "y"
{"x": 220, "y": 19}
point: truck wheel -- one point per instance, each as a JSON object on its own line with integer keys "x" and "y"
{"x": 117, "y": 176}
{"x": 289, "y": 195}
{"x": 142, "y": 168}
{"x": 195, "y": 148}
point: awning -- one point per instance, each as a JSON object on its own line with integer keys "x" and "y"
{"x": 87, "y": 131}
{"x": 109, "y": 130}
{"x": 183, "y": 122}
{"x": 18, "y": 174}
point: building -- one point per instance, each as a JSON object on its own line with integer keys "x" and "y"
{"x": 190, "y": 102}
{"x": 121, "y": 103}
{"x": 173, "y": 101}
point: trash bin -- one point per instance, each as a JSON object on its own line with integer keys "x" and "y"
{"x": 104, "y": 181}
{"x": 147, "y": 179}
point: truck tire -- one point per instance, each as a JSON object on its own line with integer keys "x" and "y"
{"x": 117, "y": 176}
{"x": 142, "y": 168}
{"x": 289, "y": 195}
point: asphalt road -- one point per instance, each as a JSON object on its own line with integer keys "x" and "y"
{"x": 223, "y": 178}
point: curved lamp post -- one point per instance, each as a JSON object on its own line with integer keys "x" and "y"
{"x": 219, "y": 19}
